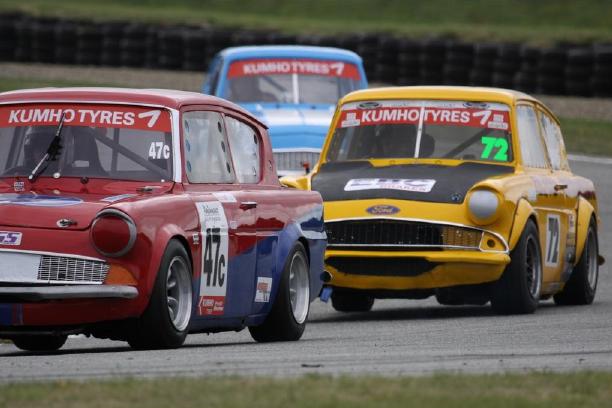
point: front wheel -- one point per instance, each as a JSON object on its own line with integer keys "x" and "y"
{"x": 287, "y": 319}
{"x": 518, "y": 290}
{"x": 40, "y": 343}
{"x": 164, "y": 323}
{"x": 582, "y": 284}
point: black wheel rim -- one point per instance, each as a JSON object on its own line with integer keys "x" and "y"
{"x": 533, "y": 267}
{"x": 592, "y": 264}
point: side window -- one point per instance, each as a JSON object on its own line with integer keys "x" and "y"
{"x": 245, "y": 146}
{"x": 532, "y": 148}
{"x": 554, "y": 142}
{"x": 205, "y": 145}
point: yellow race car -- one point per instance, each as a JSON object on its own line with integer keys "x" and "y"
{"x": 458, "y": 192}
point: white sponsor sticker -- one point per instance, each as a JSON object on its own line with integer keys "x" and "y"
{"x": 414, "y": 185}
{"x": 497, "y": 125}
{"x": 213, "y": 280}
{"x": 263, "y": 290}
{"x": 351, "y": 120}
{"x": 553, "y": 234}
{"x": 10, "y": 238}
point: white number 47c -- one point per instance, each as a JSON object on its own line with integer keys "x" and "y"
{"x": 159, "y": 150}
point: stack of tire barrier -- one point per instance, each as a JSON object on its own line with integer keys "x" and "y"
{"x": 601, "y": 80}
{"x": 565, "y": 69}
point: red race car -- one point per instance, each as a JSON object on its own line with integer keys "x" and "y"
{"x": 144, "y": 215}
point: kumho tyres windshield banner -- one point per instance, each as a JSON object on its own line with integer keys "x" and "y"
{"x": 280, "y": 66}
{"x": 477, "y": 115}
{"x": 107, "y": 116}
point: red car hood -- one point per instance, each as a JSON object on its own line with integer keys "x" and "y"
{"x": 45, "y": 208}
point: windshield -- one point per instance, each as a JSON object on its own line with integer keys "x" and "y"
{"x": 290, "y": 81}
{"x": 117, "y": 142}
{"x": 422, "y": 129}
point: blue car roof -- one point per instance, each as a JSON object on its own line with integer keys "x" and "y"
{"x": 282, "y": 51}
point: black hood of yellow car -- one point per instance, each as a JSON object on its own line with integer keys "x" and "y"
{"x": 451, "y": 182}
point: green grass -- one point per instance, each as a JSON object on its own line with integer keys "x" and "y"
{"x": 587, "y": 136}
{"x": 540, "y": 21}
{"x": 582, "y": 390}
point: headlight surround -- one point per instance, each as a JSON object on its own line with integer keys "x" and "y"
{"x": 484, "y": 206}
{"x": 113, "y": 233}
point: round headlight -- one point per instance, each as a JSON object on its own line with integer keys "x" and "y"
{"x": 113, "y": 233}
{"x": 483, "y": 206}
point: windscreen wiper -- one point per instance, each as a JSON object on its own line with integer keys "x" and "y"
{"x": 52, "y": 151}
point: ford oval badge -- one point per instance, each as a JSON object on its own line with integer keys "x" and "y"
{"x": 383, "y": 210}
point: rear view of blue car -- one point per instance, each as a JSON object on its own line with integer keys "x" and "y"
{"x": 292, "y": 89}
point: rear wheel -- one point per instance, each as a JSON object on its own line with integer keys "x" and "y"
{"x": 40, "y": 343}
{"x": 582, "y": 284}
{"x": 518, "y": 290}
{"x": 287, "y": 319}
{"x": 164, "y": 323}
{"x": 352, "y": 302}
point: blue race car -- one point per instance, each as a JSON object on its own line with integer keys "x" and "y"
{"x": 292, "y": 89}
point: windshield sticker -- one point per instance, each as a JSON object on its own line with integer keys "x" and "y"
{"x": 19, "y": 186}
{"x": 125, "y": 117}
{"x": 34, "y": 200}
{"x": 431, "y": 116}
{"x": 413, "y": 185}
{"x": 491, "y": 143}
{"x": 159, "y": 150}
{"x": 293, "y": 66}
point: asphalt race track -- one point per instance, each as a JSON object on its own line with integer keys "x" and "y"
{"x": 397, "y": 337}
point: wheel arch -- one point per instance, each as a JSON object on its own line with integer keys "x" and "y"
{"x": 164, "y": 236}
{"x": 585, "y": 214}
{"x": 523, "y": 213}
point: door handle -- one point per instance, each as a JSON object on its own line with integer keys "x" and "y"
{"x": 247, "y": 205}
{"x": 559, "y": 187}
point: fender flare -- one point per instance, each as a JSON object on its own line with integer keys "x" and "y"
{"x": 583, "y": 220}
{"x": 158, "y": 248}
{"x": 524, "y": 211}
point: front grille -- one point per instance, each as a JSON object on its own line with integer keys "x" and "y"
{"x": 400, "y": 234}
{"x": 380, "y": 266}
{"x": 294, "y": 161}
{"x": 75, "y": 270}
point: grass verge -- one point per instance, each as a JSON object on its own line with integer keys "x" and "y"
{"x": 587, "y": 136}
{"x": 584, "y": 389}
{"x": 515, "y": 20}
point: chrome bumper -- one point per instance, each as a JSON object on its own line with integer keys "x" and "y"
{"x": 41, "y": 293}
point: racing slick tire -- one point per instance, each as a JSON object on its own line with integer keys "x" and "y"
{"x": 582, "y": 283}
{"x": 40, "y": 343}
{"x": 164, "y": 323}
{"x": 518, "y": 289}
{"x": 351, "y": 302}
{"x": 287, "y": 319}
